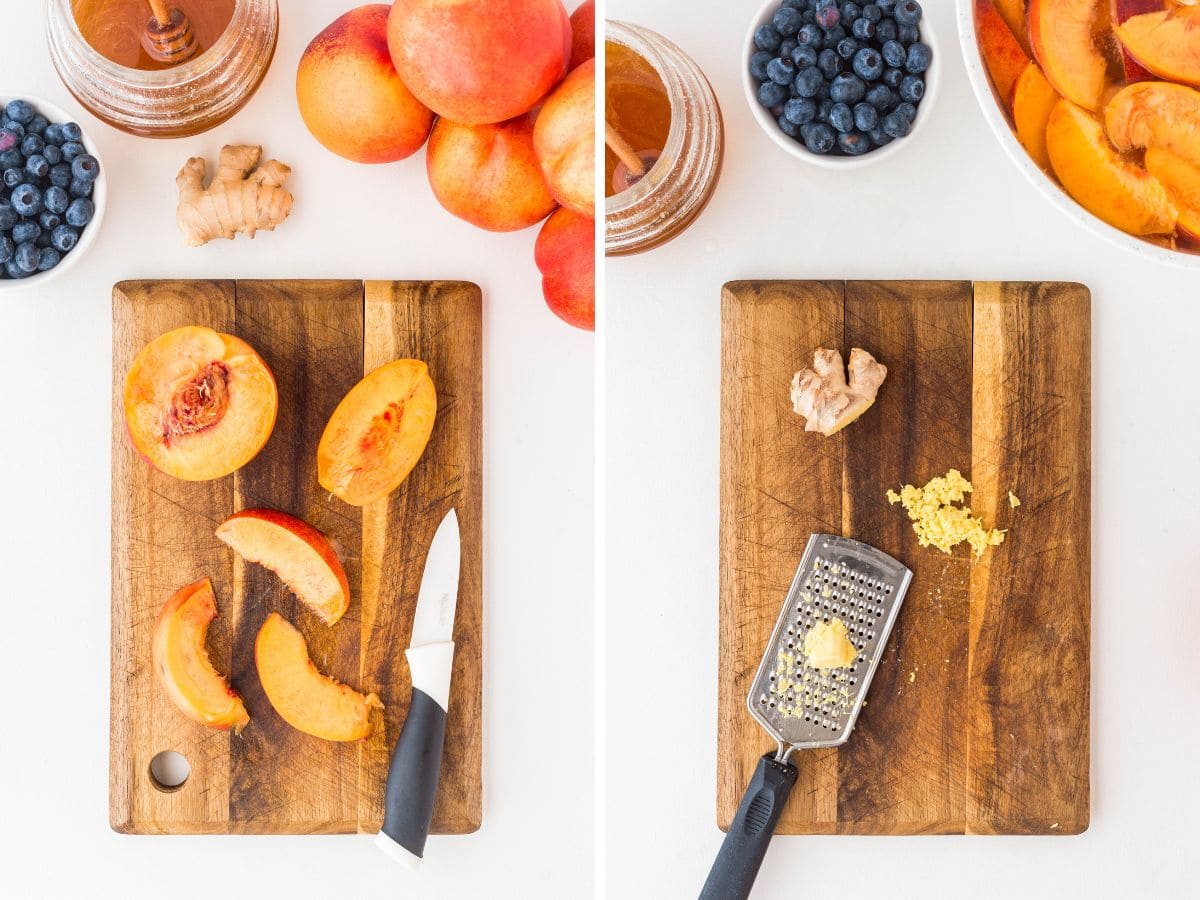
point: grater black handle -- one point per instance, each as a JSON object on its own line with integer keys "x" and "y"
{"x": 737, "y": 864}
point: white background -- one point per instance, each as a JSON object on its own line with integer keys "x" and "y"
{"x": 952, "y": 205}
{"x": 349, "y": 221}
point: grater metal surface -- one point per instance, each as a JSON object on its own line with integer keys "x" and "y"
{"x": 838, "y": 578}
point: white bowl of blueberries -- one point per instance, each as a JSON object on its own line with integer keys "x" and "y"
{"x": 840, "y": 83}
{"x": 51, "y": 191}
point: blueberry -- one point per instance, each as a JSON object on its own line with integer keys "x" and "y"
{"x": 79, "y": 188}
{"x": 866, "y": 117}
{"x": 20, "y": 111}
{"x": 847, "y": 88}
{"x": 8, "y": 218}
{"x": 49, "y": 221}
{"x": 788, "y": 127}
{"x": 879, "y": 137}
{"x": 49, "y": 259}
{"x": 53, "y": 154}
{"x": 804, "y": 57}
{"x": 27, "y": 257}
{"x": 15, "y": 271}
{"x": 766, "y": 38}
{"x": 868, "y": 64}
{"x": 833, "y": 36}
{"x": 908, "y": 12}
{"x": 907, "y": 110}
{"x": 892, "y": 77}
{"x": 64, "y": 238}
{"x": 912, "y": 88}
{"x": 787, "y": 21}
{"x": 872, "y": 13}
{"x": 800, "y": 5}
{"x": 7, "y": 248}
{"x": 847, "y": 47}
{"x": 27, "y": 200}
{"x": 811, "y": 36}
{"x": 72, "y": 149}
{"x": 32, "y": 144}
{"x": 11, "y": 159}
{"x": 841, "y": 117}
{"x": 60, "y": 174}
{"x": 13, "y": 177}
{"x": 895, "y": 125}
{"x": 26, "y": 231}
{"x": 829, "y": 63}
{"x": 15, "y": 127}
{"x": 888, "y": 7}
{"x": 880, "y": 97}
{"x": 800, "y": 111}
{"x": 854, "y": 143}
{"x": 72, "y": 132}
{"x": 894, "y": 53}
{"x": 8, "y": 140}
{"x": 53, "y": 134}
{"x": 787, "y": 46}
{"x": 828, "y": 14}
{"x": 37, "y": 166}
{"x": 887, "y": 30}
{"x": 758, "y": 66}
{"x": 817, "y": 137}
{"x": 38, "y": 124}
{"x": 80, "y": 212}
{"x": 808, "y": 83}
{"x": 781, "y": 71}
{"x": 850, "y": 12}
{"x": 919, "y": 57}
{"x": 864, "y": 29}
{"x": 56, "y": 199}
{"x": 769, "y": 94}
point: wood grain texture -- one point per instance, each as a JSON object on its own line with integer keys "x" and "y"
{"x": 319, "y": 339}
{"x": 977, "y": 720}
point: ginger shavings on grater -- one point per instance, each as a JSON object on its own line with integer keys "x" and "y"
{"x": 801, "y": 688}
{"x": 941, "y": 519}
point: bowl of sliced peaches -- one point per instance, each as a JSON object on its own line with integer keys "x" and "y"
{"x": 1098, "y": 103}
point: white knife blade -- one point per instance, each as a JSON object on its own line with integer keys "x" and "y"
{"x": 433, "y": 621}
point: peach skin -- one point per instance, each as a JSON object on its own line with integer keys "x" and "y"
{"x": 565, "y": 255}
{"x": 564, "y": 138}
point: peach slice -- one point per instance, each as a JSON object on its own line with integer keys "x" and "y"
{"x": 378, "y": 432}
{"x": 1181, "y": 178}
{"x": 1002, "y": 54}
{"x": 198, "y": 404}
{"x": 182, "y": 664}
{"x": 1034, "y": 98}
{"x": 1166, "y": 42}
{"x": 304, "y": 698}
{"x": 295, "y": 551}
{"x": 1127, "y": 9}
{"x": 1063, "y": 34}
{"x": 1013, "y": 14}
{"x": 1119, "y": 192}
{"x": 1154, "y": 113}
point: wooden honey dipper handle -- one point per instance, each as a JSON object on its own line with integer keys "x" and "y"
{"x": 168, "y": 36}
{"x": 625, "y": 153}
{"x": 161, "y": 12}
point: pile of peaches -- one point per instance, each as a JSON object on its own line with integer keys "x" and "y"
{"x": 198, "y": 406}
{"x": 512, "y": 86}
{"x": 1103, "y": 96}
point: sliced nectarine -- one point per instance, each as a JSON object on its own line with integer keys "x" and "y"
{"x": 1033, "y": 100}
{"x": 303, "y": 697}
{"x": 378, "y": 432}
{"x": 295, "y": 551}
{"x": 1154, "y": 113}
{"x": 1063, "y": 34}
{"x": 1002, "y": 54}
{"x": 1122, "y": 194}
{"x": 1166, "y": 42}
{"x": 182, "y": 663}
{"x": 1181, "y": 178}
{"x": 199, "y": 404}
{"x": 1013, "y": 14}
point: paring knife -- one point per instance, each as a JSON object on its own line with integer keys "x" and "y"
{"x": 417, "y": 760}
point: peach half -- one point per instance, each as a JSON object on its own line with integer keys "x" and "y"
{"x": 1003, "y": 56}
{"x": 304, "y": 698}
{"x": 1155, "y": 114}
{"x": 1166, "y": 42}
{"x": 1100, "y": 179}
{"x": 198, "y": 404}
{"x": 1181, "y": 178}
{"x": 1034, "y": 98}
{"x": 182, "y": 664}
{"x": 295, "y": 551}
{"x": 1063, "y": 34}
{"x": 378, "y": 432}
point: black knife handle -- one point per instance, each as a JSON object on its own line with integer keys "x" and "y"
{"x": 741, "y": 855}
{"x": 413, "y": 778}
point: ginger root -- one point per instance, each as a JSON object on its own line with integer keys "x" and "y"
{"x": 243, "y": 196}
{"x": 823, "y": 397}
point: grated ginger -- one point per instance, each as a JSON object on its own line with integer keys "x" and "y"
{"x": 939, "y": 521}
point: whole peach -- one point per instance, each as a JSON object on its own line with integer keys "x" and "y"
{"x": 565, "y": 140}
{"x": 350, "y": 96}
{"x": 488, "y": 174}
{"x": 478, "y": 63}
{"x": 583, "y": 33}
{"x": 565, "y": 253}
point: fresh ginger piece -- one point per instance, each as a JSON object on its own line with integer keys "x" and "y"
{"x": 822, "y": 395}
{"x": 243, "y": 196}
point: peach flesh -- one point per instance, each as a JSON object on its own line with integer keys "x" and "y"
{"x": 1155, "y": 114}
{"x": 1002, "y": 54}
{"x": 1181, "y": 178}
{"x": 1063, "y": 36}
{"x": 1167, "y": 43}
{"x": 1034, "y": 98}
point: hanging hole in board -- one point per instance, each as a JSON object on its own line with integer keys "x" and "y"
{"x": 169, "y": 770}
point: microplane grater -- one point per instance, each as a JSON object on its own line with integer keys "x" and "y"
{"x": 802, "y": 707}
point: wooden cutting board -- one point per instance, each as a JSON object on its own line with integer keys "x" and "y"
{"x": 977, "y": 719}
{"x": 319, "y": 338}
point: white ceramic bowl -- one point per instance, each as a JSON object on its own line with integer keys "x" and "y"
{"x": 1059, "y": 199}
{"x": 99, "y": 198}
{"x": 796, "y": 148}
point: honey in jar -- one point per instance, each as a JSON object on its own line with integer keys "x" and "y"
{"x": 116, "y": 29}
{"x": 638, "y": 108}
